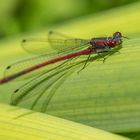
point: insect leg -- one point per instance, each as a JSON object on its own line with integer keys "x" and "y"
{"x": 114, "y": 51}
{"x": 101, "y": 56}
{"x": 84, "y": 64}
{"x": 110, "y": 50}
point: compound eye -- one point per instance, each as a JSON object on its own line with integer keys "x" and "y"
{"x": 117, "y": 35}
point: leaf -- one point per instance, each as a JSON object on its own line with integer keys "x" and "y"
{"x": 103, "y": 95}
{"x": 37, "y": 126}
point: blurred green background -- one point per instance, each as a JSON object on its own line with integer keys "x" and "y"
{"x": 20, "y": 16}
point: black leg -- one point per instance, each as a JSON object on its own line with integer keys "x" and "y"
{"x": 114, "y": 51}
{"x": 84, "y": 64}
{"x": 101, "y": 57}
{"x": 110, "y": 50}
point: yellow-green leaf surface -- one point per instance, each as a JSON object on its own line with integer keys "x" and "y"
{"x": 103, "y": 95}
{"x": 38, "y": 126}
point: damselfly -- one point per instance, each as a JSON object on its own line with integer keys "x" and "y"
{"x": 65, "y": 49}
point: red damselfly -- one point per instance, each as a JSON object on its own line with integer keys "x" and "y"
{"x": 65, "y": 49}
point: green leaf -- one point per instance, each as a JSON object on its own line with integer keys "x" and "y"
{"x": 37, "y": 126}
{"x": 103, "y": 95}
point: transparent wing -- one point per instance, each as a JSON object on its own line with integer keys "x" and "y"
{"x": 34, "y": 91}
{"x": 27, "y": 63}
{"x": 55, "y": 41}
{"x": 65, "y": 42}
{"x": 21, "y": 93}
{"x": 61, "y": 46}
